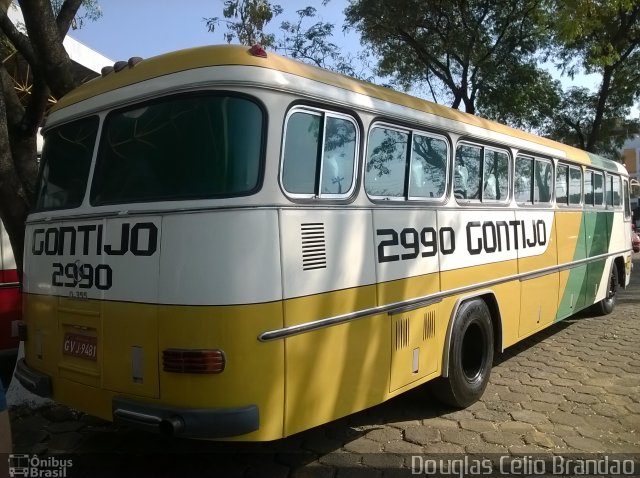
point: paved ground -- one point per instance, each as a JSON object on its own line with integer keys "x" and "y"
{"x": 574, "y": 388}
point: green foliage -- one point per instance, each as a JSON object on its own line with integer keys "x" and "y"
{"x": 310, "y": 40}
{"x": 573, "y": 123}
{"x": 529, "y": 104}
{"x": 461, "y": 46}
{"x": 246, "y": 21}
{"x": 89, "y": 11}
{"x": 603, "y": 37}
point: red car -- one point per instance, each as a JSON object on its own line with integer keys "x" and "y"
{"x": 10, "y": 308}
{"x": 635, "y": 239}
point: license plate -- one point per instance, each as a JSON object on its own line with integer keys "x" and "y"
{"x": 83, "y": 346}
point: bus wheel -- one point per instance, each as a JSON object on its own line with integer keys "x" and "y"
{"x": 470, "y": 356}
{"x": 606, "y": 305}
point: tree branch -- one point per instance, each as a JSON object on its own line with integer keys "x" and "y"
{"x": 19, "y": 39}
{"x": 14, "y": 109}
{"x": 66, "y": 15}
{"x": 54, "y": 61}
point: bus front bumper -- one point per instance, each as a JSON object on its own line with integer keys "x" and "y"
{"x": 182, "y": 422}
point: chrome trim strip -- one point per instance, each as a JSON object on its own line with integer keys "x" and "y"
{"x": 9, "y": 285}
{"x": 419, "y": 301}
{"x": 136, "y": 416}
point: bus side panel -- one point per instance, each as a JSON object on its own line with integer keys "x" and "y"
{"x": 571, "y": 246}
{"x": 328, "y": 271}
{"x": 338, "y": 370}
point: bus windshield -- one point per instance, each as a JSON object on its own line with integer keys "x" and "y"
{"x": 181, "y": 147}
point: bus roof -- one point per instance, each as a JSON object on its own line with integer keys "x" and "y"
{"x": 219, "y": 55}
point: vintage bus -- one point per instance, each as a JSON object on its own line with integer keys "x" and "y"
{"x": 10, "y": 308}
{"x": 230, "y": 244}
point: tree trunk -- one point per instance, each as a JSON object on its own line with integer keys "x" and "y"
{"x": 603, "y": 95}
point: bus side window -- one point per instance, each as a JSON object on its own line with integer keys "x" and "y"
{"x": 428, "y": 173}
{"x": 562, "y": 184}
{"x": 575, "y": 186}
{"x": 598, "y": 189}
{"x": 301, "y": 152}
{"x": 319, "y": 154}
{"x": 588, "y": 188}
{"x": 386, "y": 162}
{"x": 524, "y": 179}
{"x": 543, "y": 181}
{"x": 495, "y": 175}
{"x": 338, "y": 156}
{"x": 467, "y": 175}
{"x": 616, "y": 189}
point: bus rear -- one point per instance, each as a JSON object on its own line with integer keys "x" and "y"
{"x": 150, "y": 273}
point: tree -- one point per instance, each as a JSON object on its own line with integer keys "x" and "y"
{"x": 465, "y": 46}
{"x": 572, "y": 123}
{"x": 38, "y": 45}
{"x": 246, "y": 20}
{"x": 314, "y": 44}
{"x": 603, "y": 37}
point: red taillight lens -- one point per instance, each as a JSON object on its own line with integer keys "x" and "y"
{"x": 193, "y": 360}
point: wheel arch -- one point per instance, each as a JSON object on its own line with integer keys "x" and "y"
{"x": 489, "y": 298}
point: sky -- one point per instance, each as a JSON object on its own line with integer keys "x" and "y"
{"x": 148, "y": 28}
{"x": 151, "y": 27}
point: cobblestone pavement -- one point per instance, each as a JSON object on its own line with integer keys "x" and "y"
{"x": 574, "y": 388}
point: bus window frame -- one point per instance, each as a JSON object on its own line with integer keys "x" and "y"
{"x": 510, "y": 173}
{"x": 609, "y": 191}
{"x": 532, "y": 203}
{"x": 323, "y": 113}
{"x": 400, "y": 129}
{"x": 579, "y": 204}
{"x": 626, "y": 200}
{"x": 440, "y": 199}
{"x": 584, "y": 188}
{"x": 604, "y": 194}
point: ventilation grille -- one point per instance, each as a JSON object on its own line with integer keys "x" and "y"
{"x": 314, "y": 248}
{"x": 429, "y": 325}
{"x": 402, "y": 333}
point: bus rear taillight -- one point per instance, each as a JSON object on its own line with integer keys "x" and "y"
{"x": 193, "y": 360}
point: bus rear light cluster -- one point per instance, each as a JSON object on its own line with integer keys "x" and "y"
{"x": 193, "y": 360}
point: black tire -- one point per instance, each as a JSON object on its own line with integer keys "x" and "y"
{"x": 470, "y": 356}
{"x": 606, "y": 305}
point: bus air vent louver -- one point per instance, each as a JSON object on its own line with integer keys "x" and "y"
{"x": 314, "y": 247}
{"x": 402, "y": 333}
{"x": 429, "y": 326}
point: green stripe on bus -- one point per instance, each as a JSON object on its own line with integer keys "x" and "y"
{"x": 583, "y": 281}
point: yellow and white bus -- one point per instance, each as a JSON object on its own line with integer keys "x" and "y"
{"x": 230, "y": 244}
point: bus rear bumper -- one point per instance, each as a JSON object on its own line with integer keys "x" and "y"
{"x": 200, "y": 423}
{"x": 187, "y": 422}
{"x": 34, "y": 381}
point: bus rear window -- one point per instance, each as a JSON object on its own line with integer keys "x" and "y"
{"x": 66, "y": 159}
{"x": 196, "y": 146}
